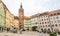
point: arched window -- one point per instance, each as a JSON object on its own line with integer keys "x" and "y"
{"x": 51, "y": 14}
{"x": 43, "y": 25}
{"x": 54, "y": 13}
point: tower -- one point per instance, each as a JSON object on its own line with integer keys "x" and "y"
{"x": 21, "y": 17}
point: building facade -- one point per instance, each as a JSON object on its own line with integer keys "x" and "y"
{"x": 9, "y": 17}
{"x": 55, "y": 20}
{"x": 31, "y": 23}
{"x": 50, "y": 21}
{"x": 2, "y": 16}
{"x": 16, "y": 22}
{"x": 44, "y": 21}
{"x": 34, "y": 22}
{"x": 27, "y": 23}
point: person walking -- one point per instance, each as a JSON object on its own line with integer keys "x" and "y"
{"x": 21, "y": 31}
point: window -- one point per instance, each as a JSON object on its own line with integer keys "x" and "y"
{"x": 43, "y": 25}
{"x": 51, "y": 18}
{"x": 54, "y": 13}
{"x": 51, "y": 15}
{"x": 46, "y": 16}
{"x": 42, "y": 22}
{"x": 55, "y": 21}
{"x": 46, "y": 25}
{"x": 36, "y": 23}
{"x": 47, "y": 19}
{"x": 54, "y": 17}
{"x": 51, "y": 21}
{"x": 42, "y": 19}
{"x": 48, "y": 22}
{"x": 45, "y": 22}
{"x": 55, "y": 24}
{"x": 58, "y": 13}
{"x": 59, "y": 24}
{"x": 57, "y": 17}
{"x": 58, "y": 21}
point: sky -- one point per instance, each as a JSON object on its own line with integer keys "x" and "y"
{"x": 32, "y": 7}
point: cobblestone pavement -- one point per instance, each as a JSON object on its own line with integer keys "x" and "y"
{"x": 26, "y": 33}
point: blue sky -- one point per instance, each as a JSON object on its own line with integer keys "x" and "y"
{"x": 32, "y": 7}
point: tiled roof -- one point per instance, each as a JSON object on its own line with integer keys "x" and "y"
{"x": 55, "y": 11}
{"x": 45, "y": 13}
{"x": 35, "y": 15}
{"x": 26, "y": 17}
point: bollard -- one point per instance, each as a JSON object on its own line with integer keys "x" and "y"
{"x": 53, "y": 34}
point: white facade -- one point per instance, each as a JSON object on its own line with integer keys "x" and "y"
{"x": 26, "y": 24}
{"x": 34, "y": 22}
{"x": 55, "y": 21}
{"x": 29, "y": 23}
{"x": 50, "y": 21}
{"x": 44, "y": 22}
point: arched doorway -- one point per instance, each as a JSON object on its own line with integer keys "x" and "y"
{"x": 34, "y": 28}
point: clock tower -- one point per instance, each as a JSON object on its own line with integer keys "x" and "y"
{"x": 21, "y": 17}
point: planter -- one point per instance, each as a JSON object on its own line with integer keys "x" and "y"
{"x": 59, "y": 33}
{"x": 53, "y": 34}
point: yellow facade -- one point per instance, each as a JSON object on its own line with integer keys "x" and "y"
{"x": 9, "y": 19}
{"x": 2, "y": 15}
{"x": 16, "y": 22}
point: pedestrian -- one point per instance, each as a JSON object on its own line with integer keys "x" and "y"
{"x": 21, "y": 31}
{"x": 40, "y": 32}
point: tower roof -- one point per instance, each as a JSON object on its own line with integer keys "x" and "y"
{"x": 21, "y": 5}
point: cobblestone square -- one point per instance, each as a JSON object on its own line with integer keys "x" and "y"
{"x": 26, "y": 33}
